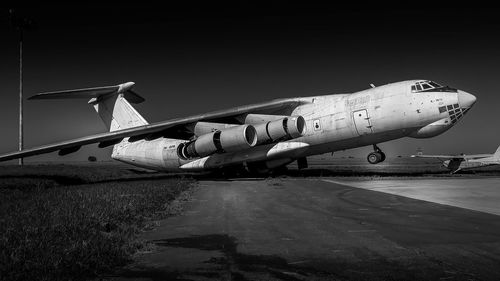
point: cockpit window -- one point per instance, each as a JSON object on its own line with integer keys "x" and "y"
{"x": 435, "y": 85}
{"x": 430, "y": 86}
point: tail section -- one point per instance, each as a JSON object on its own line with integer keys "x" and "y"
{"x": 117, "y": 113}
{"x": 112, "y": 103}
{"x": 497, "y": 154}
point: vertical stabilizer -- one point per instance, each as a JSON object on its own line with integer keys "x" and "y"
{"x": 112, "y": 103}
{"x": 117, "y": 113}
{"x": 497, "y": 154}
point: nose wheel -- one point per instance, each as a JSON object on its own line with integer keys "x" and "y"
{"x": 377, "y": 156}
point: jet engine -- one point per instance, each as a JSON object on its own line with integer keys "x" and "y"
{"x": 271, "y": 128}
{"x": 231, "y": 139}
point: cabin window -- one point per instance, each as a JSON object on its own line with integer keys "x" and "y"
{"x": 442, "y": 109}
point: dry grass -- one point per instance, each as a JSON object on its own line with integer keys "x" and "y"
{"x": 73, "y": 223}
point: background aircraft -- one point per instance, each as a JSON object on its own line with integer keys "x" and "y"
{"x": 456, "y": 163}
{"x": 265, "y": 136}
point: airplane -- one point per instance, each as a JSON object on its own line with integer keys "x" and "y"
{"x": 267, "y": 136}
{"x": 460, "y": 162}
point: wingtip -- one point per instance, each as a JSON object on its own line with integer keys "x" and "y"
{"x": 125, "y": 86}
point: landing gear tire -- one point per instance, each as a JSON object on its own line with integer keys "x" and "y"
{"x": 383, "y": 156}
{"x": 375, "y": 157}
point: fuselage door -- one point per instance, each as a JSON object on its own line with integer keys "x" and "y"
{"x": 362, "y": 122}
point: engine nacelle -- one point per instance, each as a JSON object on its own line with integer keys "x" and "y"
{"x": 227, "y": 140}
{"x": 202, "y": 128}
{"x": 282, "y": 129}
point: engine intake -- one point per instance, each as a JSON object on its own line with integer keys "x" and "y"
{"x": 228, "y": 140}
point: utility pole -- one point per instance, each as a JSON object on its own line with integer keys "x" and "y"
{"x": 21, "y": 138}
{"x": 20, "y": 24}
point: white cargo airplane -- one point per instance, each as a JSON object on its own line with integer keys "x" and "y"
{"x": 455, "y": 163}
{"x": 265, "y": 136}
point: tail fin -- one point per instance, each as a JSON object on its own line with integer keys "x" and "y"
{"x": 497, "y": 153}
{"x": 111, "y": 103}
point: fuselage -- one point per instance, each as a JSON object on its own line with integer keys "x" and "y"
{"x": 468, "y": 164}
{"x": 415, "y": 108}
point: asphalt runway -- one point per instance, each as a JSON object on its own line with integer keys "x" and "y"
{"x": 312, "y": 229}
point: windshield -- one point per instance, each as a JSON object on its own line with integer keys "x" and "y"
{"x": 424, "y": 86}
{"x": 430, "y": 86}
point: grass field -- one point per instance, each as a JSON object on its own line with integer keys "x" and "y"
{"x": 66, "y": 222}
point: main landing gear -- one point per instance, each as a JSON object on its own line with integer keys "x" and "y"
{"x": 377, "y": 156}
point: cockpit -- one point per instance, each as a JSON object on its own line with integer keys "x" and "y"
{"x": 430, "y": 86}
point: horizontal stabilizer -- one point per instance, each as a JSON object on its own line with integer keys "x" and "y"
{"x": 93, "y": 93}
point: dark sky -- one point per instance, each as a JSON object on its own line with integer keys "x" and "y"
{"x": 192, "y": 58}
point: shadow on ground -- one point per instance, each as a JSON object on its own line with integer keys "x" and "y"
{"x": 234, "y": 265}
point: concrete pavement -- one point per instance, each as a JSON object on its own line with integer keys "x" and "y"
{"x": 308, "y": 229}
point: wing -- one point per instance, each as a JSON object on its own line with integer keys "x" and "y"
{"x": 175, "y": 128}
{"x": 461, "y": 157}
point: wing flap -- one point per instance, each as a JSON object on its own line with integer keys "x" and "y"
{"x": 69, "y": 150}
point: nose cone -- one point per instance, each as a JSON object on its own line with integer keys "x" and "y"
{"x": 465, "y": 99}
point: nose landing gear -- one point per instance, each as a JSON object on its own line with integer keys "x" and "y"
{"x": 377, "y": 156}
